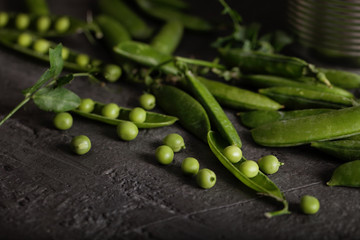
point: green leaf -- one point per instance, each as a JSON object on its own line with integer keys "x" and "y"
{"x": 64, "y": 80}
{"x": 56, "y": 99}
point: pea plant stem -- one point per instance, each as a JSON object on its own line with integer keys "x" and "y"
{"x": 22, "y": 103}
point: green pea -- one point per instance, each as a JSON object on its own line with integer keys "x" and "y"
{"x": 4, "y": 19}
{"x": 22, "y": 21}
{"x": 269, "y": 164}
{"x": 81, "y": 144}
{"x": 164, "y": 155}
{"x": 65, "y": 53}
{"x": 175, "y": 141}
{"x": 127, "y": 131}
{"x": 233, "y": 153}
{"x": 62, "y": 24}
{"x": 87, "y": 105}
{"x": 63, "y": 121}
{"x": 112, "y": 72}
{"x": 309, "y": 204}
{"x": 96, "y": 62}
{"x": 249, "y": 168}
{"x": 190, "y": 166}
{"x": 137, "y": 115}
{"x": 110, "y": 110}
{"x": 206, "y": 178}
{"x": 147, "y": 101}
{"x": 41, "y": 46}
{"x": 24, "y": 40}
{"x": 43, "y": 23}
{"x": 82, "y": 60}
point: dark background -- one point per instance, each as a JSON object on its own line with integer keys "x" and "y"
{"x": 118, "y": 191}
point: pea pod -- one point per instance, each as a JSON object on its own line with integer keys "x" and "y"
{"x": 325, "y": 126}
{"x": 260, "y": 183}
{"x": 347, "y": 174}
{"x": 153, "y": 120}
{"x": 266, "y": 81}
{"x": 169, "y": 14}
{"x": 169, "y": 37}
{"x": 272, "y": 64}
{"x": 238, "y": 98}
{"x": 117, "y": 9}
{"x": 300, "y": 98}
{"x": 38, "y": 7}
{"x": 172, "y": 3}
{"x": 343, "y": 79}
{"x": 113, "y": 31}
{"x": 192, "y": 116}
{"x": 144, "y": 54}
{"x": 346, "y": 150}
{"x": 255, "y": 119}
{"x": 213, "y": 109}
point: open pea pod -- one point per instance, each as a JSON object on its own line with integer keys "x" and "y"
{"x": 153, "y": 120}
{"x": 260, "y": 183}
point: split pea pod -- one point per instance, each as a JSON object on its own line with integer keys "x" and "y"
{"x": 325, "y": 126}
{"x": 191, "y": 114}
{"x": 238, "y": 98}
{"x": 38, "y": 7}
{"x": 166, "y": 13}
{"x": 301, "y": 98}
{"x": 119, "y": 10}
{"x": 273, "y": 64}
{"x": 340, "y": 78}
{"x": 213, "y": 109}
{"x": 255, "y": 119}
{"x": 113, "y": 31}
{"x": 347, "y": 174}
{"x": 343, "y": 149}
{"x": 265, "y": 81}
{"x": 168, "y": 38}
{"x": 153, "y": 119}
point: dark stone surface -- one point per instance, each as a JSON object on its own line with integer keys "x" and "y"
{"x": 118, "y": 191}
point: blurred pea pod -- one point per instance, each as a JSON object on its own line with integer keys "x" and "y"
{"x": 163, "y": 12}
{"x": 343, "y": 79}
{"x": 255, "y": 119}
{"x": 168, "y": 38}
{"x": 301, "y": 98}
{"x": 325, "y": 126}
{"x": 266, "y": 81}
{"x": 180, "y": 4}
{"x": 38, "y": 7}
{"x": 119, "y": 10}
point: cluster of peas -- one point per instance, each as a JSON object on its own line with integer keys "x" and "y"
{"x": 190, "y": 166}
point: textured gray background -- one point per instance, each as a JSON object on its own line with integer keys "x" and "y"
{"x": 118, "y": 191}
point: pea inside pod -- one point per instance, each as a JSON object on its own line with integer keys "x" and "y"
{"x": 347, "y": 174}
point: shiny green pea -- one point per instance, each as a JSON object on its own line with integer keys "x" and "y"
{"x": 62, "y": 24}
{"x": 309, "y": 204}
{"x": 87, "y": 105}
{"x": 127, "y": 131}
{"x": 190, "y": 166}
{"x": 137, "y": 115}
{"x": 63, "y": 121}
{"x": 164, "y": 155}
{"x": 269, "y": 164}
{"x": 41, "y": 46}
{"x": 206, "y": 178}
{"x": 82, "y": 60}
{"x": 147, "y": 101}
{"x": 81, "y": 144}
{"x": 110, "y": 110}
{"x": 43, "y": 23}
{"x": 24, "y": 40}
{"x": 4, "y": 19}
{"x": 249, "y": 168}
{"x": 112, "y": 72}
{"x": 175, "y": 141}
{"x": 22, "y": 21}
{"x": 233, "y": 153}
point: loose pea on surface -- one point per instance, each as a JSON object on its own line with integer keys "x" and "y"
{"x": 62, "y": 24}
{"x": 112, "y": 72}
{"x": 147, "y": 101}
{"x": 175, "y": 141}
{"x": 164, "y": 155}
{"x": 24, "y": 40}
{"x": 250, "y": 168}
{"x": 41, "y": 46}
{"x": 81, "y": 144}
{"x": 190, "y": 166}
{"x": 4, "y": 19}
{"x": 110, "y": 110}
{"x": 87, "y": 105}
{"x": 22, "y": 21}
{"x": 137, "y": 115}
{"x": 233, "y": 153}
{"x": 309, "y": 204}
{"x": 269, "y": 164}
{"x": 127, "y": 131}
{"x": 82, "y": 60}
{"x": 63, "y": 121}
{"x": 43, "y": 23}
{"x": 206, "y": 178}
